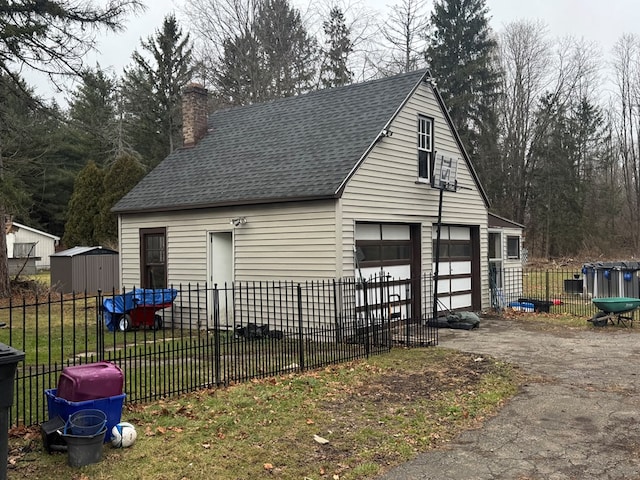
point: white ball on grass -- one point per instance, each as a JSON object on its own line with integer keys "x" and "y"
{"x": 123, "y": 435}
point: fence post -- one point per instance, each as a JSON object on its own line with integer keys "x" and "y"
{"x": 99, "y": 327}
{"x": 300, "y": 329}
{"x": 367, "y": 318}
{"x": 546, "y": 290}
{"x": 216, "y": 333}
{"x": 337, "y": 303}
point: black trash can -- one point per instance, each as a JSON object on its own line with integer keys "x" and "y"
{"x": 9, "y": 358}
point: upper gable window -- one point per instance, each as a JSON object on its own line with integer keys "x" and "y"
{"x": 425, "y": 147}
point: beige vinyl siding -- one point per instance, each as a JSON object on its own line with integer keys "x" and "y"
{"x": 292, "y": 242}
{"x": 287, "y": 241}
{"x": 385, "y": 187}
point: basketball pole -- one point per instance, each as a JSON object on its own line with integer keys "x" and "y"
{"x": 437, "y": 259}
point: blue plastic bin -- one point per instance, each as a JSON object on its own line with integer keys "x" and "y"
{"x": 111, "y": 406}
{"x": 522, "y": 306}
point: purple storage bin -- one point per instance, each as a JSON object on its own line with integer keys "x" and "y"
{"x": 90, "y": 381}
{"x": 111, "y": 406}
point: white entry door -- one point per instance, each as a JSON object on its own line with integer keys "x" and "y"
{"x": 221, "y": 274}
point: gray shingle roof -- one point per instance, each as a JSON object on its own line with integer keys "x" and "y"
{"x": 294, "y": 148}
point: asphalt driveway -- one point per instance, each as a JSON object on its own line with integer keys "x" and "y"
{"x": 577, "y": 418}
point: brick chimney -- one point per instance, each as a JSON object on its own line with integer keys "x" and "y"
{"x": 194, "y": 114}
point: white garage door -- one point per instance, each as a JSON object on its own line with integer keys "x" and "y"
{"x": 386, "y": 251}
{"x": 455, "y": 268}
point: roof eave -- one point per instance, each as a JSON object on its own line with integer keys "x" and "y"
{"x": 514, "y": 224}
{"x": 237, "y": 203}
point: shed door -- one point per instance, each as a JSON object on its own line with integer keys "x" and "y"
{"x": 456, "y": 268}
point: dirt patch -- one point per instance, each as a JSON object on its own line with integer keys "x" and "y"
{"x": 399, "y": 387}
{"x": 428, "y": 393}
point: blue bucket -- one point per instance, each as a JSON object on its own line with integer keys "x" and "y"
{"x": 86, "y": 423}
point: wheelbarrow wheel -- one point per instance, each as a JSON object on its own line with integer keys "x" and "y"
{"x": 157, "y": 322}
{"x": 125, "y": 322}
{"x": 600, "y": 319}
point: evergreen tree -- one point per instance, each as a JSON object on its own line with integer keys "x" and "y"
{"x": 50, "y": 36}
{"x": 272, "y": 57}
{"x": 461, "y": 55}
{"x": 152, "y": 91}
{"x": 240, "y": 78}
{"x": 93, "y": 116}
{"x": 37, "y": 159}
{"x": 554, "y": 212}
{"x": 48, "y": 172}
{"x": 286, "y": 48}
{"x": 83, "y": 216}
{"x": 335, "y": 69}
{"x": 121, "y": 177}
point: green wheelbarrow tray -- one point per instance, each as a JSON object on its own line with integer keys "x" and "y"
{"x": 612, "y": 310}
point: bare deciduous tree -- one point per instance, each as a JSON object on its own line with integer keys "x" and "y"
{"x": 525, "y": 60}
{"x": 626, "y": 65}
{"x": 405, "y": 35}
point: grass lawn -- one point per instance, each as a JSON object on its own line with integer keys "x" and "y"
{"x": 373, "y": 414}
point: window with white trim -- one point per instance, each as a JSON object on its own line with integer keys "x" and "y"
{"x": 513, "y": 247}
{"x": 425, "y": 147}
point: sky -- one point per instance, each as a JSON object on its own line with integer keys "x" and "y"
{"x": 593, "y": 20}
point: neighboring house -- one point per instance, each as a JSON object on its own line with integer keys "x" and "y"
{"x": 505, "y": 260}
{"x": 26, "y": 244}
{"x": 335, "y": 183}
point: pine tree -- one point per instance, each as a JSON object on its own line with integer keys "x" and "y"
{"x": 240, "y": 78}
{"x": 335, "y": 69}
{"x": 93, "y": 114}
{"x": 152, "y": 90}
{"x": 50, "y": 36}
{"x": 121, "y": 177}
{"x": 38, "y": 160}
{"x": 84, "y": 208}
{"x": 272, "y": 57}
{"x": 461, "y": 55}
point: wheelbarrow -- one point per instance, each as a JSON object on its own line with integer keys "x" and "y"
{"x": 614, "y": 310}
{"x": 137, "y": 308}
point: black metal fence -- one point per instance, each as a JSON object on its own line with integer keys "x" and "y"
{"x": 207, "y": 336}
{"x": 560, "y": 290}
{"x": 210, "y": 336}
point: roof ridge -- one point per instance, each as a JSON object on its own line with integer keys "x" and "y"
{"x": 322, "y": 91}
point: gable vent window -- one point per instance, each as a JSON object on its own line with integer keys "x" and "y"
{"x": 425, "y": 148}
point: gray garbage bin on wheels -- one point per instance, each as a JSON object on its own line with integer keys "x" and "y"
{"x": 9, "y": 358}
